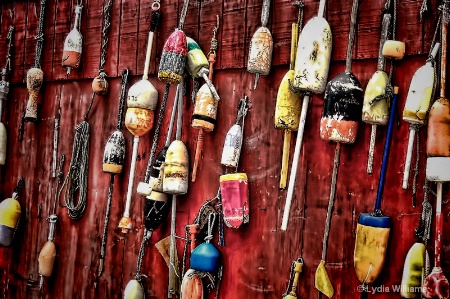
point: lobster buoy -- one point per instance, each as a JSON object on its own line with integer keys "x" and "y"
{"x": 142, "y": 94}
{"x": 342, "y": 109}
{"x": 205, "y": 110}
{"x": 35, "y": 78}
{"x": 173, "y": 58}
{"x": 139, "y": 121}
{"x": 47, "y": 259}
{"x": 438, "y": 138}
{"x": 100, "y": 85}
{"x": 234, "y": 189}
{"x": 176, "y": 169}
{"x": 196, "y": 59}
{"x": 133, "y": 290}
{"x": 114, "y": 154}
{"x": 73, "y": 45}
{"x": 232, "y": 147}
{"x": 393, "y": 49}
{"x": 9, "y": 219}
{"x": 205, "y": 257}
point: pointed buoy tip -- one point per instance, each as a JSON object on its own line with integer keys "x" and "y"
{"x": 256, "y": 81}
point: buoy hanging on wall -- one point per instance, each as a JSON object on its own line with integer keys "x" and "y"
{"x": 73, "y": 45}
{"x": 10, "y": 211}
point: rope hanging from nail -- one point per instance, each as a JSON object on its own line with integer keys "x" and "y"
{"x": 40, "y": 36}
{"x": 105, "y": 30}
{"x": 10, "y": 45}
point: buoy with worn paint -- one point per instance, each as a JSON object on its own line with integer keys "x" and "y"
{"x": 261, "y": 47}
{"x": 73, "y": 45}
{"x": 173, "y": 58}
{"x": 176, "y": 169}
{"x": 47, "y": 259}
{"x": 4, "y": 90}
{"x": 417, "y": 104}
{"x": 232, "y": 147}
{"x": 139, "y": 121}
{"x": 393, "y": 49}
{"x": 114, "y": 154}
{"x": 35, "y": 78}
{"x": 235, "y": 201}
{"x": 438, "y": 137}
{"x": 205, "y": 110}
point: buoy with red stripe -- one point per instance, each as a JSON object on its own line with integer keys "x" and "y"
{"x": 73, "y": 45}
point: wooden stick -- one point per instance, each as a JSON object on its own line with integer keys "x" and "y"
{"x": 198, "y": 151}
{"x": 285, "y": 158}
{"x": 298, "y": 147}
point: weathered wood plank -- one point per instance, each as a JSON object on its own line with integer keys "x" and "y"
{"x": 233, "y": 47}
{"x": 49, "y": 36}
{"x": 128, "y": 37}
{"x": 20, "y": 25}
{"x": 92, "y": 38}
{"x": 209, "y": 11}
{"x": 114, "y": 34}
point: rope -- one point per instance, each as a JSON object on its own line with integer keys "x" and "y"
{"x": 105, "y": 30}
{"x": 123, "y": 92}
{"x": 265, "y": 13}
{"x": 10, "y": 45}
{"x": 40, "y": 36}
{"x": 156, "y": 134}
{"x": 76, "y": 179}
{"x": 351, "y": 35}
{"x": 183, "y": 14}
{"x": 147, "y": 236}
{"x": 326, "y": 233}
{"x": 108, "y": 211}
{"x": 60, "y": 176}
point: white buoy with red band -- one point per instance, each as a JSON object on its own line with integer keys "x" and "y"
{"x": 235, "y": 205}
{"x": 436, "y": 285}
{"x": 311, "y": 72}
{"x": 10, "y": 212}
{"x": 4, "y": 91}
{"x": 73, "y": 45}
{"x": 35, "y": 76}
{"x": 261, "y": 47}
{"x": 417, "y": 104}
{"x": 288, "y": 104}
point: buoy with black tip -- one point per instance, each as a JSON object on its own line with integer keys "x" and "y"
{"x": 261, "y": 47}
{"x": 10, "y": 212}
{"x": 339, "y": 123}
{"x": 73, "y": 44}
{"x": 113, "y": 162}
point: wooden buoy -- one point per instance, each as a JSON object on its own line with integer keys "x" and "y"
{"x": 133, "y": 290}
{"x": 176, "y": 169}
{"x": 205, "y": 110}
{"x": 139, "y": 121}
{"x": 73, "y": 45}
{"x": 438, "y": 137}
{"x": 235, "y": 200}
{"x": 9, "y": 219}
{"x": 100, "y": 85}
{"x": 114, "y": 154}
{"x": 288, "y": 104}
{"x": 413, "y": 271}
{"x": 35, "y": 76}
{"x": 47, "y": 259}
{"x": 10, "y": 211}
{"x": 296, "y": 269}
{"x": 311, "y": 72}
{"x": 393, "y": 49}
{"x": 173, "y": 58}
{"x": 417, "y": 104}
{"x": 261, "y": 47}
{"x": 373, "y": 229}
{"x": 4, "y": 91}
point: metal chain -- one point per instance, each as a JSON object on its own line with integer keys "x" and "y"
{"x": 156, "y": 134}
{"x": 105, "y": 30}
{"x": 10, "y": 45}
{"x": 122, "y": 98}
{"x": 40, "y": 36}
{"x": 77, "y": 175}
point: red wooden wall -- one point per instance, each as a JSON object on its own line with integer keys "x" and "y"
{"x": 256, "y": 257}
